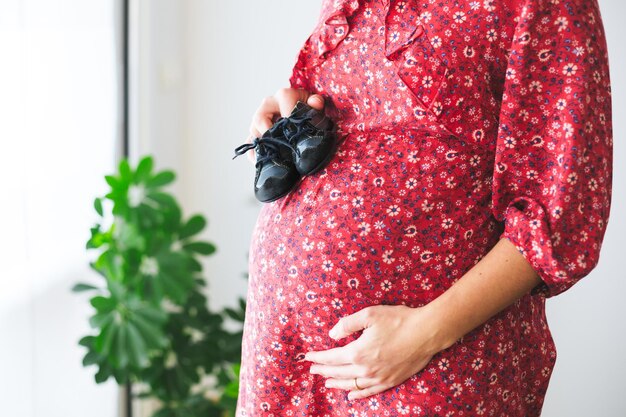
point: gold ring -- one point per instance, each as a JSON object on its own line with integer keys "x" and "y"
{"x": 357, "y": 385}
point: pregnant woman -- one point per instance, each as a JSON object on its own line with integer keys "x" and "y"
{"x": 471, "y": 182}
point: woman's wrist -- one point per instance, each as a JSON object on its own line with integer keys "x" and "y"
{"x": 430, "y": 319}
{"x": 441, "y": 330}
{"x": 499, "y": 279}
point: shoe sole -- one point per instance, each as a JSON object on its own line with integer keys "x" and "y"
{"x": 293, "y": 187}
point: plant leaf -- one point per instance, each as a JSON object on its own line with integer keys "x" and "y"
{"x": 87, "y": 341}
{"x": 151, "y": 334}
{"x": 155, "y": 315}
{"x": 117, "y": 289}
{"x": 125, "y": 172}
{"x": 103, "y": 374}
{"x": 161, "y": 179}
{"x": 235, "y": 315}
{"x": 195, "y": 266}
{"x": 102, "y": 304}
{"x": 97, "y": 238}
{"x": 121, "y": 345}
{"x": 112, "y": 181}
{"x": 203, "y": 248}
{"x": 121, "y": 376}
{"x": 136, "y": 347}
{"x": 97, "y": 204}
{"x": 91, "y": 358}
{"x": 177, "y": 288}
{"x": 101, "y": 320}
{"x": 163, "y": 198}
{"x": 193, "y": 226}
{"x": 107, "y": 339}
{"x": 80, "y": 287}
{"x": 144, "y": 169}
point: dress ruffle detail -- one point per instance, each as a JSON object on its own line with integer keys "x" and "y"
{"x": 334, "y": 26}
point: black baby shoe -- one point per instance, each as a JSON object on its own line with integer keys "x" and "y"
{"x": 276, "y": 174}
{"x": 298, "y": 145}
{"x": 312, "y": 136}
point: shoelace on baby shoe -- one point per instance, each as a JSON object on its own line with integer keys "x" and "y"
{"x": 266, "y": 148}
{"x": 286, "y": 125}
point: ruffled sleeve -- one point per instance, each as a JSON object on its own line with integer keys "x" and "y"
{"x": 331, "y": 29}
{"x": 553, "y": 165}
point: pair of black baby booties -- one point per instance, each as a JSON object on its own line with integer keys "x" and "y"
{"x": 295, "y": 146}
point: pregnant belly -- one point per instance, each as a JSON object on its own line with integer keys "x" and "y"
{"x": 394, "y": 218}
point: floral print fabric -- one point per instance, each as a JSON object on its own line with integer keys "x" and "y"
{"x": 461, "y": 123}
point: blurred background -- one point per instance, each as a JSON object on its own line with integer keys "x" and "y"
{"x": 84, "y": 83}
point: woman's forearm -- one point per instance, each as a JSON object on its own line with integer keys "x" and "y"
{"x": 500, "y": 278}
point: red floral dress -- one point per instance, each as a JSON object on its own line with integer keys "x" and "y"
{"x": 461, "y": 123}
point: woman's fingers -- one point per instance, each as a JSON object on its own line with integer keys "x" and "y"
{"x": 366, "y": 392}
{"x": 316, "y": 101}
{"x": 281, "y": 104}
{"x": 337, "y": 371}
{"x": 251, "y": 154}
{"x": 348, "y": 383}
{"x": 343, "y": 355}
{"x": 287, "y": 99}
{"x": 254, "y": 133}
{"x": 368, "y": 387}
{"x": 263, "y": 117}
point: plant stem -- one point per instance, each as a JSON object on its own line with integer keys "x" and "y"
{"x": 129, "y": 399}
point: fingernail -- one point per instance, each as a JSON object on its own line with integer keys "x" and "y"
{"x": 332, "y": 333}
{"x": 317, "y": 98}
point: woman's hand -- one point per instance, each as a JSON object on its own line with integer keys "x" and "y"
{"x": 397, "y": 342}
{"x": 280, "y": 104}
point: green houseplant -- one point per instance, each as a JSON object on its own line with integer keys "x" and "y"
{"x": 151, "y": 321}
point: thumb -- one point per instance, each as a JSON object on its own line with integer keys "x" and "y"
{"x": 350, "y": 324}
{"x": 316, "y": 101}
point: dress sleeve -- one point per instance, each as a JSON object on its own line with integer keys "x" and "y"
{"x": 553, "y": 164}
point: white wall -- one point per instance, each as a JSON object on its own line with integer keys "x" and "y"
{"x": 57, "y": 140}
{"x": 231, "y": 54}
